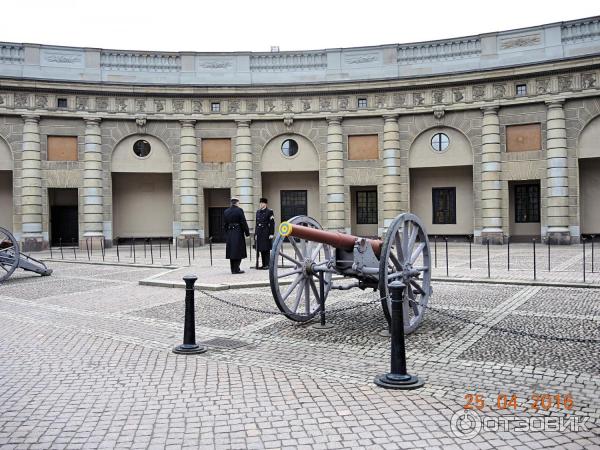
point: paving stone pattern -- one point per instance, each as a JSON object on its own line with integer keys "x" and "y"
{"x": 86, "y": 362}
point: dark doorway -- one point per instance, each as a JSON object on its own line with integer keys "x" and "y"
{"x": 215, "y": 224}
{"x": 64, "y": 220}
{"x": 293, "y": 203}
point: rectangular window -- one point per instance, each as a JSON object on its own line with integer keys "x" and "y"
{"x": 527, "y": 203}
{"x": 362, "y": 147}
{"x": 61, "y": 102}
{"x": 523, "y": 138}
{"x": 62, "y": 148}
{"x": 444, "y": 205}
{"x": 215, "y": 107}
{"x": 362, "y": 102}
{"x": 293, "y": 203}
{"x": 521, "y": 90}
{"x": 216, "y": 150}
{"x": 366, "y": 207}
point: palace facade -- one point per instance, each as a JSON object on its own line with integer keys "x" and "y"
{"x": 492, "y": 135}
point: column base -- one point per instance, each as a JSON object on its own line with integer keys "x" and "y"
{"x": 558, "y": 237}
{"x": 32, "y": 244}
{"x": 396, "y": 381}
{"x": 194, "y": 240}
{"x": 494, "y": 237}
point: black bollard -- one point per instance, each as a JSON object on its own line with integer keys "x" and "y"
{"x": 446, "y": 239}
{"x": 188, "y": 248}
{"x": 250, "y": 248}
{"x": 50, "y": 247}
{"x": 74, "y": 249}
{"x": 118, "y": 257}
{"x": 144, "y": 249}
{"x": 87, "y": 248}
{"x": 435, "y": 250}
{"x": 256, "y": 248}
{"x": 548, "y": 242}
{"x": 534, "y": 268}
{"x": 130, "y": 248}
{"x": 62, "y": 256}
{"x": 583, "y": 241}
{"x": 488, "y": 255}
{"x": 193, "y": 248}
{"x": 189, "y": 346}
{"x": 151, "y": 252}
{"x": 210, "y": 249}
{"x": 102, "y": 248}
{"x": 398, "y": 378}
{"x": 470, "y": 262}
{"x": 508, "y": 253}
{"x": 176, "y": 256}
{"x": 170, "y": 261}
{"x": 592, "y": 236}
{"x": 322, "y": 325}
{"x": 134, "y": 250}
{"x": 160, "y": 249}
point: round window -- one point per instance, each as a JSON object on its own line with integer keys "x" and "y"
{"x": 141, "y": 148}
{"x": 289, "y": 147}
{"x": 440, "y": 142}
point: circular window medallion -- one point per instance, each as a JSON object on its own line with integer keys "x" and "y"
{"x": 440, "y": 142}
{"x": 289, "y": 147}
{"x": 141, "y": 148}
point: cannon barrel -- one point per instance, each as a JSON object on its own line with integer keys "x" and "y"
{"x": 333, "y": 238}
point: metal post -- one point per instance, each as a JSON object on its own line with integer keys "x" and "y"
{"x": 189, "y": 345}
{"x": 102, "y": 247}
{"x": 534, "y": 268}
{"x": 250, "y": 248}
{"x": 446, "y": 239}
{"x": 151, "y": 252}
{"x": 118, "y": 256}
{"x": 210, "y": 249}
{"x": 160, "y": 249}
{"x": 176, "y": 251}
{"x": 256, "y": 248}
{"x": 488, "y": 255}
{"x": 548, "y": 243}
{"x": 322, "y": 325}
{"x": 130, "y": 248}
{"x": 194, "y": 248}
{"x": 398, "y": 378}
{"x": 188, "y": 248}
{"x": 470, "y": 263}
{"x": 435, "y": 250}
{"x": 170, "y": 262}
{"x": 87, "y": 247}
{"x": 144, "y": 249}
{"x": 62, "y": 256}
{"x": 74, "y": 249}
{"x": 583, "y": 241}
{"x": 134, "y": 250}
{"x": 508, "y": 253}
{"x": 50, "y": 247}
{"x": 592, "y": 236}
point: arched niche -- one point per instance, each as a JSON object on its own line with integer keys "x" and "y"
{"x": 158, "y": 160}
{"x": 6, "y": 161}
{"x": 273, "y": 160}
{"x": 589, "y": 140}
{"x": 458, "y": 153}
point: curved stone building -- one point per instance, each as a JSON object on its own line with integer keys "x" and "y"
{"x": 489, "y": 135}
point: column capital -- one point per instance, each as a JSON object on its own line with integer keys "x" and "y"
{"x": 186, "y": 123}
{"x": 92, "y": 121}
{"x": 390, "y": 117}
{"x": 555, "y": 103}
{"x": 334, "y": 120}
{"x": 243, "y": 123}
{"x": 31, "y": 118}
{"x": 490, "y": 109}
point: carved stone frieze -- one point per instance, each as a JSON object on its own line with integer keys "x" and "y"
{"x": 81, "y": 103}
{"x": 288, "y": 105}
{"x": 140, "y": 104}
{"x": 325, "y": 103}
{"x": 565, "y": 83}
{"x": 438, "y": 112}
{"x": 159, "y": 105}
{"x": 101, "y": 103}
{"x": 251, "y": 105}
{"x": 399, "y": 99}
{"x": 418, "y": 98}
{"x": 234, "y": 106}
{"x": 499, "y": 91}
{"x": 343, "y": 103}
{"x": 178, "y": 105}
{"x": 306, "y": 105}
{"x": 21, "y": 100}
{"x": 588, "y": 80}
{"x": 438, "y": 96}
{"x": 542, "y": 85}
{"x": 41, "y": 101}
{"x": 478, "y": 92}
{"x": 141, "y": 123}
{"x": 196, "y": 105}
{"x": 288, "y": 120}
{"x": 458, "y": 94}
{"x": 379, "y": 101}
{"x": 269, "y": 105}
{"x": 2, "y": 100}
{"x": 121, "y": 105}
{"x": 520, "y": 41}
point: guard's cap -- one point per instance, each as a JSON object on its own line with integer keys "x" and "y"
{"x": 263, "y": 200}
{"x": 234, "y": 200}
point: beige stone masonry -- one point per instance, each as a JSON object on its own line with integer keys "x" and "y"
{"x": 335, "y": 175}
{"x": 188, "y": 195}
{"x": 244, "y": 170}
{"x": 491, "y": 168}
{"x": 31, "y": 175}
{"x": 93, "y": 180}
{"x": 392, "y": 188}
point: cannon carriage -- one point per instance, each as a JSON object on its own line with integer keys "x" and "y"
{"x": 11, "y": 258}
{"x": 304, "y": 256}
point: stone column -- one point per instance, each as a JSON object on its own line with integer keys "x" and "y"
{"x": 557, "y": 175}
{"x": 93, "y": 180}
{"x": 335, "y": 175}
{"x": 244, "y": 174}
{"x": 31, "y": 194}
{"x": 392, "y": 190}
{"x": 491, "y": 186}
{"x": 188, "y": 176}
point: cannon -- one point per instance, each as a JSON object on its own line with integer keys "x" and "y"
{"x": 11, "y": 258}
{"x": 303, "y": 250}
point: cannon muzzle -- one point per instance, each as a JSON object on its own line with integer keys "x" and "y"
{"x": 333, "y": 238}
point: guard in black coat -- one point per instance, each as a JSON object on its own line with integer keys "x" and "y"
{"x": 263, "y": 233}
{"x": 235, "y": 228}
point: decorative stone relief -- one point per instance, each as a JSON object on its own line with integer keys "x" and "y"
{"x": 288, "y": 120}
{"x": 418, "y": 98}
{"x": 343, "y": 103}
{"x": 499, "y": 90}
{"x": 325, "y": 104}
{"x": 196, "y": 105}
{"x": 438, "y": 112}
{"x": 81, "y": 103}
{"x": 159, "y": 105}
{"x": 61, "y": 58}
{"x": 458, "y": 94}
{"x": 478, "y": 92}
{"x": 360, "y": 59}
{"x": 588, "y": 80}
{"x": 251, "y": 105}
{"x": 141, "y": 122}
{"x": 215, "y": 64}
{"x": 520, "y": 41}
{"x": 565, "y": 83}
{"x": 399, "y": 99}
{"x": 379, "y": 101}
{"x": 234, "y": 106}
{"x": 269, "y": 105}
{"x": 2, "y": 100}
{"x": 305, "y": 105}
{"x": 288, "y": 105}
{"x": 178, "y": 105}
{"x": 140, "y": 104}
{"x": 21, "y": 100}
{"x": 121, "y": 105}
{"x": 101, "y": 103}
{"x": 542, "y": 85}
{"x": 438, "y": 96}
{"x": 41, "y": 101}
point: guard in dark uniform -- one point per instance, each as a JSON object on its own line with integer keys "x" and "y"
{"x": 235, "y": 229}
{"x": 263, "y": 233}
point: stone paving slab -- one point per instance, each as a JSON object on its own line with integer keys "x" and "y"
{"x": 93, "y": 368}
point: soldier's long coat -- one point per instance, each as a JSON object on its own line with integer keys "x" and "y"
{"x": 235, "y": 228}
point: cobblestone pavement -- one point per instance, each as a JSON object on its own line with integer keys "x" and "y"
{"x": 566, "y": 262}
{"x": 86, "y": 362}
